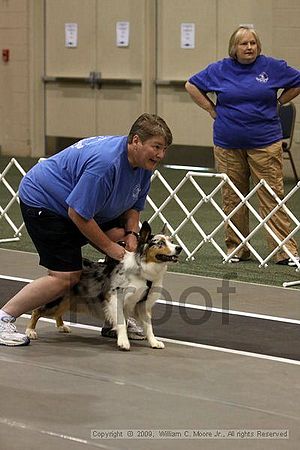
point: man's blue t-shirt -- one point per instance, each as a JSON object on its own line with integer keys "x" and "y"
{"x": 246, "y": 99}
{"x": 93, "y": 177}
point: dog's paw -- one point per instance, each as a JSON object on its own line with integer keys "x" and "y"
{"x": 157, "y": 344}
{"x": 123, "y": 344}
{"x": 32, "y": 334}
{"x": 64, "y": 329}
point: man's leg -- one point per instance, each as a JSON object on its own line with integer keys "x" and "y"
{"x": 35, "y": 294}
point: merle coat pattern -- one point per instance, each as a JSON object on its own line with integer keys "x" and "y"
{"x": 113, "y": 291}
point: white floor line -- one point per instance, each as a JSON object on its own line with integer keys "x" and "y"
{"x": 192, "y": 344}
{"x": 23, "y": 426}
{"x": 235, "y": 352}
{"x": 7, "y": 277}
{"x": 199, "y": 307}
{"x": 186, "y": 343}
{"x": 232, "y": 280}
{"x": 230, "y": 311}
{"x": 17, "y": 251}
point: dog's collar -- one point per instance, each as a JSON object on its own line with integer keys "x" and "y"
{"x": 165, "y": 258}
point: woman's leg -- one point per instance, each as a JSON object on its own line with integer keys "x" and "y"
{"x": 267, "y": 163}
{"x": 234, "y": 164}
{"x": 41, "y": 291}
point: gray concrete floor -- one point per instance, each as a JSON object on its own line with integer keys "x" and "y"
{"x": 55, "y": 391}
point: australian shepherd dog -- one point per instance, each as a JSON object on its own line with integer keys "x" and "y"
{"x": 113, "y": 291}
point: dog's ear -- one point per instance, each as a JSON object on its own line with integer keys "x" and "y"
{"x": 165, "y": 229}
{"x": 145, "y": 232}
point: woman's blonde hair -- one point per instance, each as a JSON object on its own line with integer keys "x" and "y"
{"x": 237, "y": 36}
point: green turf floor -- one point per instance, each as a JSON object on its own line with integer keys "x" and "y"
{"x": 207, "y": 262}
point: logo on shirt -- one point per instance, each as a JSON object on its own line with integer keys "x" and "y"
{"x": 136, "y": 192}
{"x": 263, "y": 77}
{"x": 89, "y": 141}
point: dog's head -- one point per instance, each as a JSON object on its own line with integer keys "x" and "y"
{"x": 157, "y": 248}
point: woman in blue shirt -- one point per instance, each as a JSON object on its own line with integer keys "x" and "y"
{"x": 90, "y": 192}
{"x": 247, "y": 131}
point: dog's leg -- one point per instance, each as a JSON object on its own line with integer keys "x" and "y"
{"x": 115, "y": 315}
{"x": 145, "y": 318}
{"x": 62, "y": 327}
{"x": 30, "y": 330}
{"x": 143, "y": 313}
{"x": 121, "y": 324}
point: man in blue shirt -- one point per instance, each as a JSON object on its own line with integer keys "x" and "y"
{"x": 90, "y": 192}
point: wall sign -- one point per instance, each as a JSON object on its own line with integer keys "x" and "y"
{"x": 71, "y": 35}
{"x": 122, "y": 34}
{"x": 187, "y": 35}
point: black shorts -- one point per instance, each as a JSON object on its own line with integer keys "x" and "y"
{"x": 56, "y": 238}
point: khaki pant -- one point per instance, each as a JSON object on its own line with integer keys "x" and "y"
{"x": 240, "y": 165}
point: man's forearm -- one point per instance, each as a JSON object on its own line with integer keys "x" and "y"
{"x": 91, "y": 230}
{"x": 132, "y": 218}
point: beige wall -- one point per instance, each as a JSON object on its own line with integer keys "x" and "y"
{"x": 286, "y": 45}
{"x": 286, "y": 40}
{"x": 14, "y": 78}
{"x": 21, "y": 86}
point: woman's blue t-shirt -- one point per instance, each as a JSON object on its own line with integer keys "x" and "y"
{"x": 246, "y": 99}
{"x": 93, "y": 177}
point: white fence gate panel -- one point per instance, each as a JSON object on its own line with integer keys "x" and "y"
{"x": 189, "y": 216}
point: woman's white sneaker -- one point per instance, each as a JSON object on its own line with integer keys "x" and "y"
{"x": 9, "y": 335}
{"x": 289, "y": 261}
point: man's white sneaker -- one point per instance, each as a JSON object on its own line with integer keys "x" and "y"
{"x": 9, "y": 335}
{"x": 134, "y": 331}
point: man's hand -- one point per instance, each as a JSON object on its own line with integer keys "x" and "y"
{"x": 115, "y": 251}
{"x": 131, "y": 242}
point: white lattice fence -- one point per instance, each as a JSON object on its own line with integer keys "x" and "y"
{"x": 12, "y": 194}
{"x": 189, "y": 215}
{"x": 204, "y": 199}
